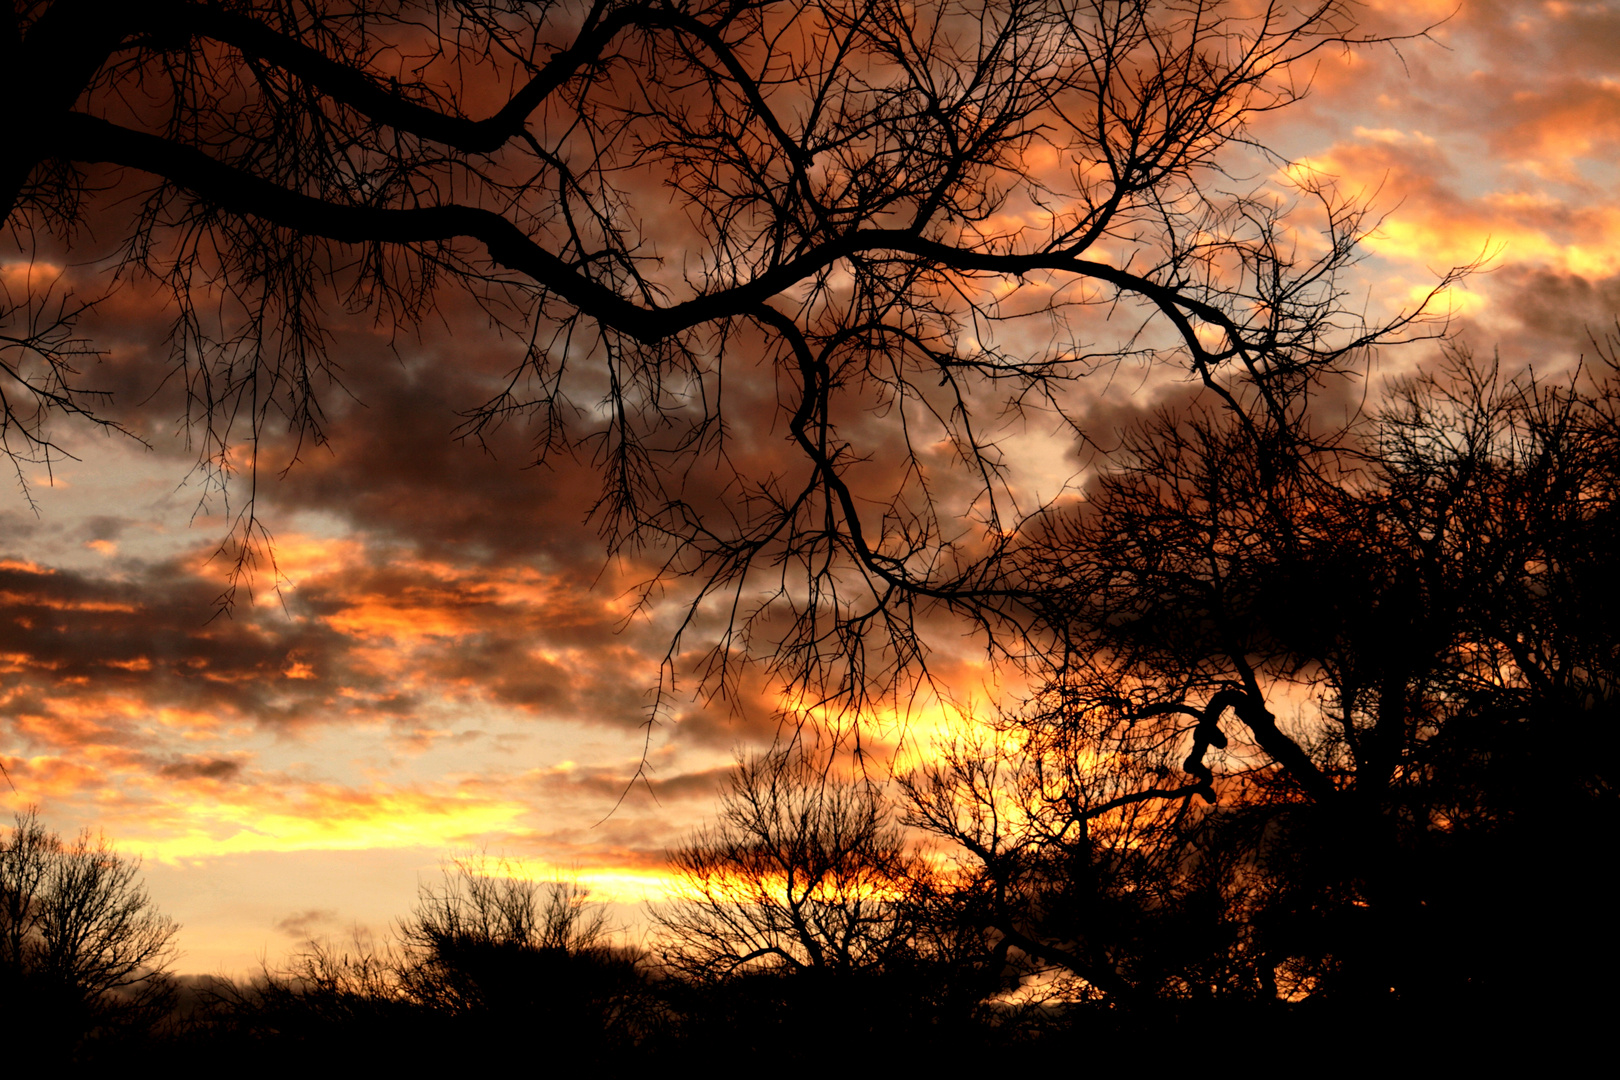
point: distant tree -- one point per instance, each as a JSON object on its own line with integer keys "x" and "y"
{"x": 486, "y": 900}
{"x": 802, "y": 871}
{"x": 81, "y": 944}
{"x": 490, "y": 943}
{"x": 805, "y": 911}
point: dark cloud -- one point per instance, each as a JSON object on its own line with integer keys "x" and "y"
{"x": 394, "y": 469}
{"x": 102, "y": 527}
{"x": 599, "y": 784}
{"x": 371, "y": 630}
{"x": 305, "y": 925}
{"x": 19, "y": 526}
{"x": 1579, "y": 37}
{"x": 155, "y": 635}
{"x": 201, "y": 769}
{"x": 1553, "y": 318}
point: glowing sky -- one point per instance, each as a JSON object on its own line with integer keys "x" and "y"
{"x": 443, "y": 660}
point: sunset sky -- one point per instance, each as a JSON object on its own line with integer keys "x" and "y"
{"x": 445, "y": 661}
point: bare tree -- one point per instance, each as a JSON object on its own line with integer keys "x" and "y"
{"x": 80, "y": 941}
{"x": 488, "y": 938}
{"x": 489, "y": 899}
{"x": 914, "y": 211}
{"x": 801, "y": 871}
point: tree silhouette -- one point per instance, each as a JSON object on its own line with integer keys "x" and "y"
{"x": 1321, "y": 723}
{"x": 804, "y": 910}
{"x": 802, "y": 871}
{"x": 81, "y": 945}
{"x": 912, "y": 211}
{"x": 515, "y": 954}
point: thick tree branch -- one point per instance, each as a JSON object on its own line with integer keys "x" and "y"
{"x": 92, "y": 140}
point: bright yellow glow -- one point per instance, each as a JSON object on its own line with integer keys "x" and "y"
{"x": 607, "y": 884}
{"x": 1435, "y": 226}
{"x": 1451, "y": 301}
{"x": 326, "y": 818}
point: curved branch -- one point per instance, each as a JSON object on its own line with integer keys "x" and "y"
{"x": 90, "y": 139}
{"x": 354, "y": 88}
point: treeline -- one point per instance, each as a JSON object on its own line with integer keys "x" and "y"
{"x": 1320, "y": 754}
{"x": 489, "y": 963}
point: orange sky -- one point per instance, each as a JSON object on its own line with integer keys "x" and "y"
{"x": 441, "y": 660}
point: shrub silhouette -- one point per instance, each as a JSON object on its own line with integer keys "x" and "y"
{"x": 487, "y": 958}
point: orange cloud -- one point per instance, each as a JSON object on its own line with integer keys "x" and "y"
{"x": 1438, "y": 223}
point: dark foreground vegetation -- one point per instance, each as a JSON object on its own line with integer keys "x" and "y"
{"x": 1384, "y": 828}
{"x": 1318, "y": 763}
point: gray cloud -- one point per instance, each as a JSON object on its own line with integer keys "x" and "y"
{"x": 308, "y": 924}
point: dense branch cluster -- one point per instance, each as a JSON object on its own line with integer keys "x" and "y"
{"x": 801, "y": 872}
{"x": 1317, "y": 716}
